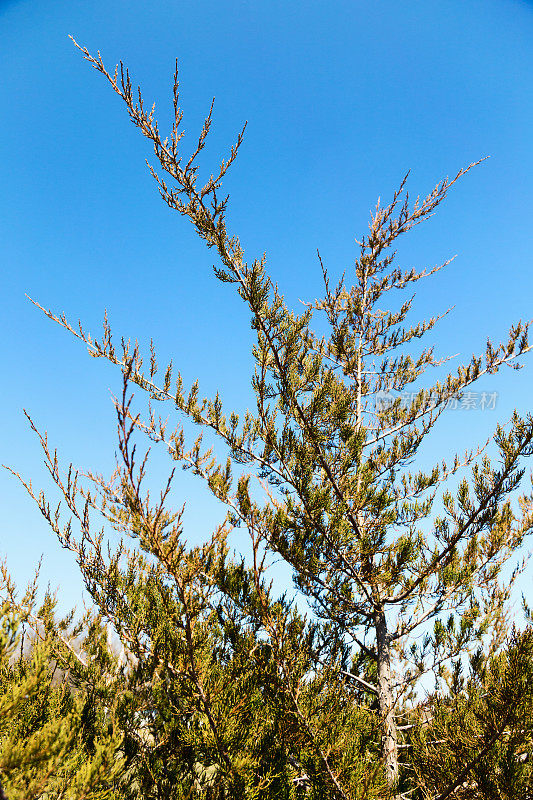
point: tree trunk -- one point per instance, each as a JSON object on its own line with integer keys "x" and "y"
{"x": 389, "y": 734}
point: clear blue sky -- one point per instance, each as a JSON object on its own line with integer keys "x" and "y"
{"x": 341, "y": 98}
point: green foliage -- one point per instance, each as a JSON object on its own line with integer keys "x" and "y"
{"x": 477, "y": 740}
{"x": 47, "y": 747}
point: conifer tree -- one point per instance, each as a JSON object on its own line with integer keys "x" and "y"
{"x": 48, "y": 749}
{"x": 198, "y": 697}
{"x": 380, "y": 549}
{"x": 476, "y": 740}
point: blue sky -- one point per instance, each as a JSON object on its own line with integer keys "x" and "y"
{"x": 341, "y": 98}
